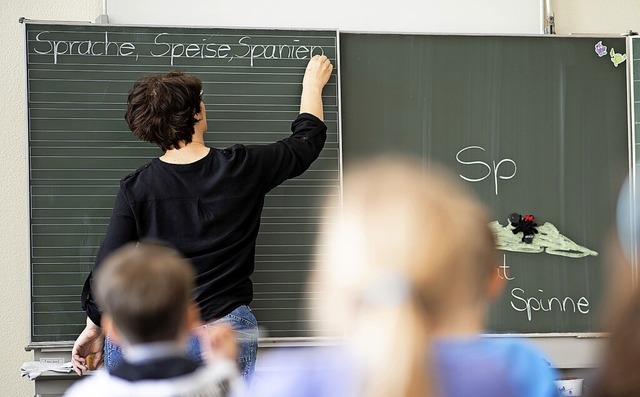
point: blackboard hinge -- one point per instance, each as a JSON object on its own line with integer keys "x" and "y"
{"x": 103, "y": 19}
{"x": 550, "y": 25}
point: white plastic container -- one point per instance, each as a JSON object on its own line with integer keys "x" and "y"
{"x": 569, "y": 387}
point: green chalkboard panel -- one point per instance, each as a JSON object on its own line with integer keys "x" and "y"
{"x": 627, "y": 231}
{"x": 635, "y": 65}
{"x": 535, "y": 125}
{"x": 80, "y": 146}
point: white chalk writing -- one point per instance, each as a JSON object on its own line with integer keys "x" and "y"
{"x": 489, "y": 169}
{"x": 170, "y": 47}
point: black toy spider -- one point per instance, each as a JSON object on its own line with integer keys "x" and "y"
{"x": 526, "y": 225}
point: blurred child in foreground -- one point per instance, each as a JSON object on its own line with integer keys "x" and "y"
{"x": 619, "y": 372}
{"x": 146, "y": 292}
{"x": 406, "y": 273}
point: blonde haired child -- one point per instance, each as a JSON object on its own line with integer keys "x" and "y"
{"x": 406, "y": 273}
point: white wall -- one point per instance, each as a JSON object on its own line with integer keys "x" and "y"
{"x": 612, "y": 16}
{"x": 596, "y": 16}
{"x": 450, "y": 16}
{"x": 447, "y": 16}
{"x": 14, "y": 225}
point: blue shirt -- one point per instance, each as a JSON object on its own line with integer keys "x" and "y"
{"x": 474, "y": 366}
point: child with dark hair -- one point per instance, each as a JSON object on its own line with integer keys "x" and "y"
{"x": 145, "y": 293}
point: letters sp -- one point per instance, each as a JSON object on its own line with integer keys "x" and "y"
{"x": 489, "y": 169}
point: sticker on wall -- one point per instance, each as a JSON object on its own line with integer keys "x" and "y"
{"x": 601, "y": 50}
{"x": 547, "y": 239}
{"x": 616, "y": 58}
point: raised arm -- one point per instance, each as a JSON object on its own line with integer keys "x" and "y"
{"x": 315, "y": 77}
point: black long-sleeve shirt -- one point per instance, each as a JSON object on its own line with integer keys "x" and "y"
{"x": 209, "y": 211}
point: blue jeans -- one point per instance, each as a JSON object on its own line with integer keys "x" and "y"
{"x": 244, "y": 324}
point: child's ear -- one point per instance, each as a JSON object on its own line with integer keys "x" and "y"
{"x": 495, "y": 285}
{"x": 106, "y": 322}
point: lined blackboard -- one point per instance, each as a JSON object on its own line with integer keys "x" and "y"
{"x": 535, "y": 125}
{"x": 80, "y": 146}
{"x": 635, "y": 109}
{"x": 627, "y": 229}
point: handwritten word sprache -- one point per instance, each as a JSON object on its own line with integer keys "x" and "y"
{"x": 489, "y": 169}
{"x": 84, "y": 47}
{"x": 164, "y": 46}
{"x": 521, "y": 303}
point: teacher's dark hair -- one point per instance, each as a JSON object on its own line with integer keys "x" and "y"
{"x": 161, "y": 108}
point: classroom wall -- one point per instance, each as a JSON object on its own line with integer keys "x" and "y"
{"x": 571, "y": 16}
{"x": 14, "y": 216}
{"x": 596, "y": 16}
{"x": 451, "y": 16}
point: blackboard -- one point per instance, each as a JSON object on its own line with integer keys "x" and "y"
{"x": 79, "y": 147}
{"x": 628, "y": 209}
{"x": 535, "y": 125}
{"x": 635, "y": 110}
{"x": 548, "y": 113}
{"x": 635, "y": 65}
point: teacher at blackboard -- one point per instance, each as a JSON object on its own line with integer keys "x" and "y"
{"x": 205, "y": 202}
